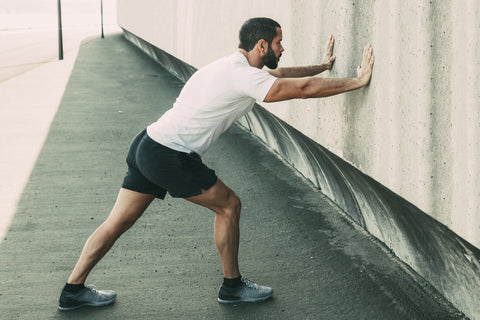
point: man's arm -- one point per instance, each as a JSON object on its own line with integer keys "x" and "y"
{"x": 313, "y": 87}
{"x": 308, "y": 71}
{"x": 298, "y": 72}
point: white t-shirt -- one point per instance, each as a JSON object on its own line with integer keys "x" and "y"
{"x": 211, "y": 100}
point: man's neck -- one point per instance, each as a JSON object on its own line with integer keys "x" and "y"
{"x": 253, "y": 59}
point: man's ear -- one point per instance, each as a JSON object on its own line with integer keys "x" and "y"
{"x": 262, "y": 46}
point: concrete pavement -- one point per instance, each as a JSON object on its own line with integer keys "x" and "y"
{"x": 29, "y": 98}
{"x": 166, "y": 267}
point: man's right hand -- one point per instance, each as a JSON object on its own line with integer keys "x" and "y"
{"x": 364, "y": 71}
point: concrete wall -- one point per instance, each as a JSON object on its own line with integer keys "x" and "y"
{"x": 414, "y": 129}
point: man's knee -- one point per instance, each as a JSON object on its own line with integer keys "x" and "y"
{"x": 232, "y": 207}
{"x": 220, "y": 199}
{"x": 235, "y": 203}
{"x": 116, "y": 227}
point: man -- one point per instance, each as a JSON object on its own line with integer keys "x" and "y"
{"x": 165, "y": 157}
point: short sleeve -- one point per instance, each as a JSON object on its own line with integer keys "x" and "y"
{"x": 254, "y": 82}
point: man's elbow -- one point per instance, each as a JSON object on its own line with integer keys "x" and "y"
{"x": 277, "y": 73}
{"x": 280, "y": 73}
{"x": 286, "y": 89}
{"x": 304, "y": 91}
{"x": 300, "y": 91}
{"x": 304, "y": 94}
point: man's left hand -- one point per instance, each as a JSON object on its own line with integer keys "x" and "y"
{"x": 329, "y": 58}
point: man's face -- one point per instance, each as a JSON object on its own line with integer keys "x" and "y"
{"x": 274, "y": 51}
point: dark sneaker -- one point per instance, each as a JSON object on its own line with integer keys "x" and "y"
{"x": 89, "y": 296}
{"x": 248, "y": 291}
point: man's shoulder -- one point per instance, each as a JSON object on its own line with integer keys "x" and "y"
{"x": 219, "y": 63}
{"x": 235, "y": 63}
{"x": 234, "y": 60}
{"x": 232, "y": 68}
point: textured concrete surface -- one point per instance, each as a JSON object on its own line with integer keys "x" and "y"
{"x": 443, "y": 258}
{"x": 25, "y": 118}
{"x": 166, "y": 267}
{"x": 26, "y": 55}
{"x": 414, "y": 129}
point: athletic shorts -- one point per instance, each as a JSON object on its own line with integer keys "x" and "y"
{"x": 155, "y": 169}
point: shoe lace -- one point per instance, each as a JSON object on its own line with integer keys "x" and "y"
{"x": 92, "y": 288}
{"x": 249, "y": 283}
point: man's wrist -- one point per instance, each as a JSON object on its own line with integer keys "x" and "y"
{"x": 322, "y": 67}
{"x": 360, "y": 82}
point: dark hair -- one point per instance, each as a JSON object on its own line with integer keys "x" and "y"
{"x": 256, "y": 29}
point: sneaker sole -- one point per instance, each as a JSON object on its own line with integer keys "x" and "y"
{"x": 244, "y": 300}
{"x": 85, "y": 305}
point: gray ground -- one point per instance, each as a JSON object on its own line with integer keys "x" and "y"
{"x": 166, "y": 266}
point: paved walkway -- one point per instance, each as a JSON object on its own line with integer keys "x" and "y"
{"x": 166, "y": 266}
{"x": 29, "y": 98}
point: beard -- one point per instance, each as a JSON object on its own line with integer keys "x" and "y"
{"x": 269, "y": 59}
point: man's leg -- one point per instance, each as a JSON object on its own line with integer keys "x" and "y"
{"x": 129, "y": 206}
{"x": 227, "y": 206}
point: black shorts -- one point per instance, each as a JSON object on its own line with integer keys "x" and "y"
{"x": 155, "y": 169}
